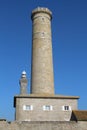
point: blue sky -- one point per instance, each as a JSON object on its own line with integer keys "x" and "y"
{"x": 69, "y": 34}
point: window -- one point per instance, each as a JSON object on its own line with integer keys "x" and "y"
{"x": 42, "y": 19}
{"x": 27, "y": 107}
{"x": 66, "y": 108}
{"x": 47, "y": 108}
{"x": 42, "y": 34}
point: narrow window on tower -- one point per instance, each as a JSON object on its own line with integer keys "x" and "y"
{"x": 66, "y": 108}
{"x": 47, "y": 108}
{"x": 42, "y": 34}
{"x": 42, "y": 18}
{"x": 27, "y": 107}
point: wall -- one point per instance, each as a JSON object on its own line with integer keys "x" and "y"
{"x": 38, "y": 114}
{"x": 43, "y": 125}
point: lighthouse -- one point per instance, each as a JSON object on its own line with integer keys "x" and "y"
{"x": 42, "y": 80}
{"x": 42, "y": 104}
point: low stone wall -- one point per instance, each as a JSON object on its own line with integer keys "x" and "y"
{"x": 54, "y": 125}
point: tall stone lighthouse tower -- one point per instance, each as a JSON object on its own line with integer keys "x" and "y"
{"x": 42, "y": 104}
{"x": 42, "y": 81}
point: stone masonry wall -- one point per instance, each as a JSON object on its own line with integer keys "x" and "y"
{"x": 38, "y": 114}
{"x": 61, "y": 125}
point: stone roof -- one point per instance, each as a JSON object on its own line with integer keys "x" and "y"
{"x": 46, "y": 95}
{"x": 79, "y": 115}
